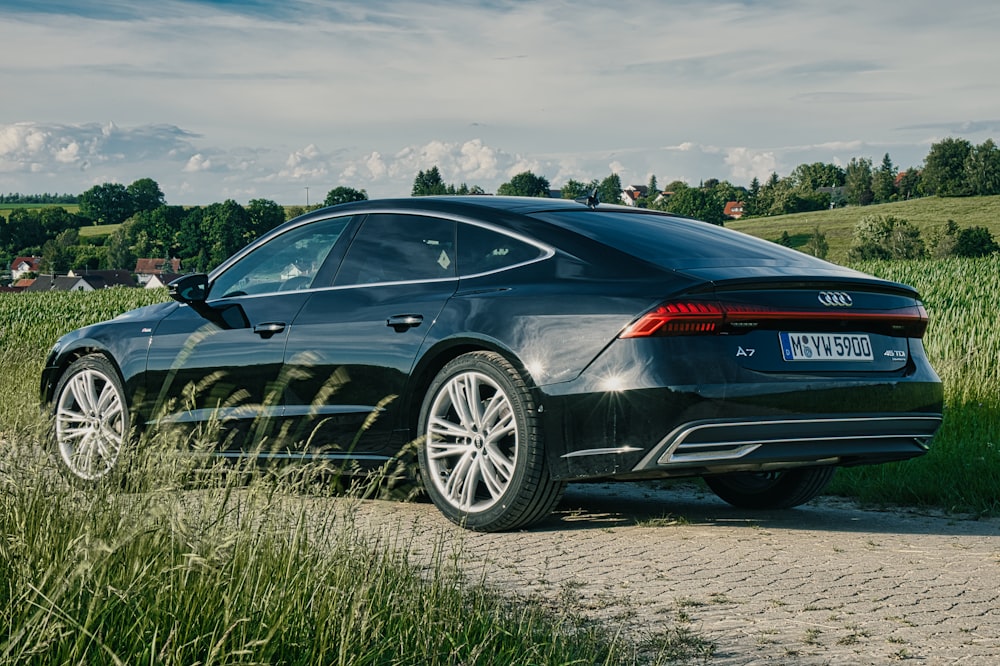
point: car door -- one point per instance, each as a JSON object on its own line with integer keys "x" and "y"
{"x": 352, "y": 347}
{"x": 221, "y": 363}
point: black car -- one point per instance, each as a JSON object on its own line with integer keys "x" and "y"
{"x": 523, "y": 343}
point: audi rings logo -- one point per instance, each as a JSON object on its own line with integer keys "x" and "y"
{"x": 836, "y": 299}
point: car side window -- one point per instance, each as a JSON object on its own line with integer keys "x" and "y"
{"x": 481, "y": 250}
{"x": 285, "y": 263}
{"x": 399, "y": 248}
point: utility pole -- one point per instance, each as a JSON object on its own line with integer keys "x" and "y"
{"x": 307, "y": 197}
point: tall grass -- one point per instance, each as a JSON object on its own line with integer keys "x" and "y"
{"x": 254, "y": 571}
{"x": 178, "y": 559}
{"x": 962, "y": 470}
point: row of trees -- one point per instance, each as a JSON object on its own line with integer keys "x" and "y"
{"x": 204, "y": 236}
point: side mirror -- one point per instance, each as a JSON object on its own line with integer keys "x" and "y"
{"x": 191, "y": 289}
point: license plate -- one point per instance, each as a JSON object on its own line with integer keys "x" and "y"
{"x": 825, "y": 347}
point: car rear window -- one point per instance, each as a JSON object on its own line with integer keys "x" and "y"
{"x": 672, "y": 242}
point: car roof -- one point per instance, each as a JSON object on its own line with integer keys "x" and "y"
{"x": 518, "y": 205}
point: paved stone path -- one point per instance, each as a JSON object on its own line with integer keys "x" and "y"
{"x": 827, "y": 583}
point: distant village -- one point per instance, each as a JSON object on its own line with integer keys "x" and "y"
{"x": 148, "y": 274}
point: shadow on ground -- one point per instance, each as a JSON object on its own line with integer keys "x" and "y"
{"x": 656, "y": 504}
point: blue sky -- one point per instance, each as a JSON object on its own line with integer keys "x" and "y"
{"x": 232, "y": 99}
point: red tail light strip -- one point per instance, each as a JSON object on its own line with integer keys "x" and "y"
{"x": 712, "y": 317}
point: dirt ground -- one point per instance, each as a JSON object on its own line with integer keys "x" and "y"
{"x": 827, "y": 583}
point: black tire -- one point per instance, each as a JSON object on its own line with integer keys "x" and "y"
{"x": 771, "y": 490}
{"x": 482, "y": 460}
{"x": 91, "y": 419}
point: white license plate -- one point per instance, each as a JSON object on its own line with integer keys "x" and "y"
{"x": 825, "y": 347}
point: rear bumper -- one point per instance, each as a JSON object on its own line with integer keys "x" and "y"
{"x": 732, "y": 445}
{"x": 695, "y": 431}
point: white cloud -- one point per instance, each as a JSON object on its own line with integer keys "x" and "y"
{"x": 197, "y": 162}
{"x": 746, "y": 164}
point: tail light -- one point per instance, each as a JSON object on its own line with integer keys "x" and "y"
{"x": 697, "y": 317}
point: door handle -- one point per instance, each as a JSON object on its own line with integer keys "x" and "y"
{"x": 400, "y": 323}
{"x": 269, "y": 329}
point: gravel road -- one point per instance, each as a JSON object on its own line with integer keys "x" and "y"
{"x": 828, "y": 583}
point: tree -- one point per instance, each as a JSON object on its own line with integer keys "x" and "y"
{"x": 120, "y": 254}
{"x": 340, "y": 195}
{"x": 818, "y": 174}
{"x": 858, "y": 181}
{"x": 697, "y": 203}
{"x": 910, "y": 184}
{"x": 574, "y": 189}
{"x": 266, "y": 215}
{"x": 975, "y": 242}
{"x": 191, "y": 238}
{"x": 428, "y": 183}
{"x": 886, "y": 237}
{"x": 109, "y": 203}
{"x": 58, "y": 254}
{"x": 23, "y": 230}
{"x": 56, "y": 219}
{"x": 610, "y": 190}
{"x": 525, "y": 184}
{"x": 982, "y": 169}
{"x": 751, "y": 206}
{"x": 884, "y": 181}
{"x": 944, "y": 168}
{"x": 145, "y": 194}
{"x": 226, "y": 227}
{"x": 153, "y": 233}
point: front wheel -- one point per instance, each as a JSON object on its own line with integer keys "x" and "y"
{"x": 771, "y": 490}
{"x": 91, "y": 418}
{"x": 483, "y": 459}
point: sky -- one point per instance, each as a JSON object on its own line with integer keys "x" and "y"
{"x": 285, "y": 100}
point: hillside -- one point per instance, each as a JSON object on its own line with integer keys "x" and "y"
{"x": 930, "y": 214}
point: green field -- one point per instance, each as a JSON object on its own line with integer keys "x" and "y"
{"x": 930, "y": 215}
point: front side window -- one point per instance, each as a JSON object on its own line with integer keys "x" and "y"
{"x": 399, "y": 248}
{"x": 285, "y": 263}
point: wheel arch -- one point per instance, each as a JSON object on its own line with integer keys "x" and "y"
{"x": 439, "y": 355}
{"x": 57, "y": 366}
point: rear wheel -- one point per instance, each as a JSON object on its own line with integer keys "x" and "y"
{"x": 483, "y": 460}
{"x": 771, "y": 490}
{"x": 91, "y": 418}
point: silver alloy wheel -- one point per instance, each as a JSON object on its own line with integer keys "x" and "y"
{"x": 90, "y": 423}
{"x": 472, "y": 442}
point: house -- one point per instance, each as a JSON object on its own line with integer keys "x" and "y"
{"x": 147, "y": 268}
{"x": 734, "y": 209}
{"x": 22, "y": 265}
{"x": 84, "y": 281}
{"x": 632, "y": 194}
{"x": 105, "y": 279}
{"x": 59, "y": 283}
{"x": 161, "y": 280}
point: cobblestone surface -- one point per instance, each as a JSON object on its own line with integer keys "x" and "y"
{"x": 827, "y": 583}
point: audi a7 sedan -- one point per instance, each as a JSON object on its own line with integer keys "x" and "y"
{"x": 518, "y": 344}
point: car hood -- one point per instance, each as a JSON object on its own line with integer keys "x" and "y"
{"x": 152, "y": 312}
